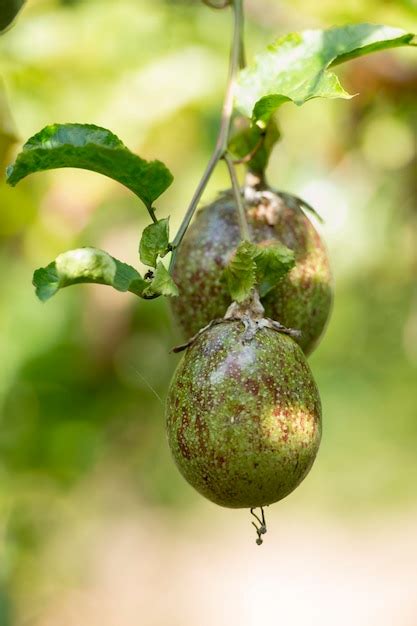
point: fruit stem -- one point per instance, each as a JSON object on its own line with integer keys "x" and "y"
{"x": 236, "y": 60}
{"x": 243, "y": 222}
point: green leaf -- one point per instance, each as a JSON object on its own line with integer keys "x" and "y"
{"x": 154, "y": 242}
{"x": 86, "y": 265}
{"x": 273, "y": 261}
{"x": 257, "y": 264}
{"x": 258, "y": 141}
{"x": 296, "y": 67}
{"x": 8, "y": 11}
{"x": 92, "y": 148}
{"x": 162, "y": 283}
{"x": 241, "y": 272}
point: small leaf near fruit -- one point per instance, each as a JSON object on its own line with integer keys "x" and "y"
{"x": 261, "y": 265}
{"x": 162, "y": 283}
{"x": 154, "y": 242}
{"x": 241, "y": 272}
{"x": 273, "y": 260}
{"x": 92, "y": 148}
{"x": 86, "y": 265}
{"x": 296, "y": 67}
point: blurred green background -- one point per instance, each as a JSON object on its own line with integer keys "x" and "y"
{"x": 96, "y": 524}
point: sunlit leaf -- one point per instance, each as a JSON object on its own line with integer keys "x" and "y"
{"x": 296, "y": 67}
{"x": 92, "y": 148}
{"x": 154, "y": 242}
{"x": 86, "y": 265}
{"x": 8, "y": 11}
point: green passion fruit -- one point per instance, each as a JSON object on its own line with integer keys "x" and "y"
{"x": 301, "y": 300}
{"x": 243, "y": 416}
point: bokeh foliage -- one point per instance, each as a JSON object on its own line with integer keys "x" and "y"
{"x": 84, "y": 377}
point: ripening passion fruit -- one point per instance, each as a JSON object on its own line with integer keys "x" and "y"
{"x": 301, "y": 300}
{"x": 243, "y": 415}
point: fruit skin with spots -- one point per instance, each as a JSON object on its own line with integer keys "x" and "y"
{"x": 243, "y": 417}
{"x": 301, "y": 300}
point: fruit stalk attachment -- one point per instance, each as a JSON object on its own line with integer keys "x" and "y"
{"x": 251, "y": 314}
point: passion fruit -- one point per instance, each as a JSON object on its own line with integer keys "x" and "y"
{"x": 243, "y": 415}
{"x": 301, "y": 300}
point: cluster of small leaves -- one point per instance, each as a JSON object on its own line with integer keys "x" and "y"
{"x": 257, "y": 265}
{"x": 97, "y": 149}
{"x": 154, "y": 243}
{"x": 161, "y": 283}
{"x": 91, "y": 265}
{"x": 295, "y": 68}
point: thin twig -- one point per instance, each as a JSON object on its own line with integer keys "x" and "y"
{"x": 243, "y": 222}
{"x": 224, "y": 132}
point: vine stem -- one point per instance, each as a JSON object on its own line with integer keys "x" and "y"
{"x": 236, "y": 60}
{"x": 243, "y": 223}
